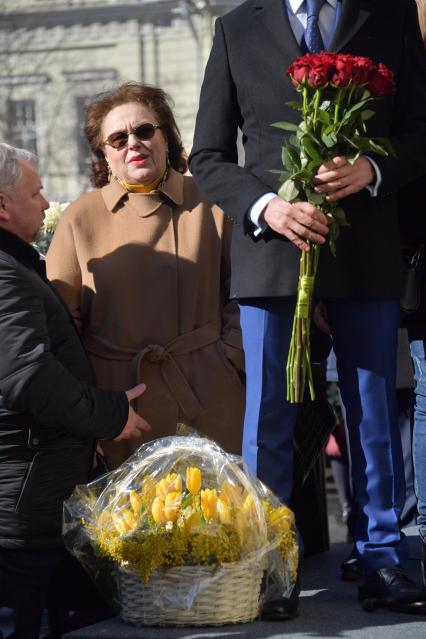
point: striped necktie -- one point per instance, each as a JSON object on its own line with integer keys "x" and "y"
{"x": 312, "y": 40}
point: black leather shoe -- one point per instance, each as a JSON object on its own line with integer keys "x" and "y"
{"x": 349, "y": 568}
{"x": 423, "y": 561}
{"x": 390, "y": 588}
{"x": 281, "y": 609}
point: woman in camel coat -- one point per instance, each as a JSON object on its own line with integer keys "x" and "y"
{"x": 144, "y": 262}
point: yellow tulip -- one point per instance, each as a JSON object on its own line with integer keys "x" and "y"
{"x": 192, "y": 524}
{"x": 104, "y": 519}
{"x": 224, "y": 511}
{"x": 129, "y": 518}
{"x": 249, "y": 508}
{"x": 172, "y": 505}
{"x": 157, "y": 510}
{"x": 241, "y": 525}
{"x": 209, "y": 502}
{"x": 281, "y": 519}
{"x": 135, "y": 501}
{"x": 147, "y": 491}
{"x": 169, "y": 484}
{"x": 231, "y": 493}
{"x": 193, "y": 479}
{"x": 119, "y": 523}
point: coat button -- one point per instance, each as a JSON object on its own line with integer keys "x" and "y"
{"x": 35, "y": 441}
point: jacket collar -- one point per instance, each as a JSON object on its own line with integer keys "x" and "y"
{"x": 354, "y": 14}
{"x": 272, "y": 14}
{"x": 114, "y": 195}
{"x": 21, "y": 251}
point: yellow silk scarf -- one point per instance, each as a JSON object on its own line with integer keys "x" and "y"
{"x": 140, "y": 188}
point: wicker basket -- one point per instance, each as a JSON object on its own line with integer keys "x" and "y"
{"x": 231, "y": 597}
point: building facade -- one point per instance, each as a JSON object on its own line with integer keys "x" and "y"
{"x": 57, "y": 54}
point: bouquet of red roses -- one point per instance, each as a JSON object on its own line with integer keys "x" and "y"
{"x": 336, "y": 90}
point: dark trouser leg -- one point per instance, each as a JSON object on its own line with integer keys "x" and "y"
{"x": 24, "y": 581}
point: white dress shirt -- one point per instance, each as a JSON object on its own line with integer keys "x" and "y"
{"x": 327, "y": 22}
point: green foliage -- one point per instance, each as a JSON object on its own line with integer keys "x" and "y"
{"x": 333, "y": 123}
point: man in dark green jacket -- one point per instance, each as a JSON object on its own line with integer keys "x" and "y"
{"x": 50, "y": 412}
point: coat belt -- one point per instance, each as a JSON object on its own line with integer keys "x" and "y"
{"x": 171, "y": 373}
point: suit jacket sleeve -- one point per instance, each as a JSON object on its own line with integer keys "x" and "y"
{"x": 213, "y": 161}
{"x": 408, "y": 135}
{"x": 231, "y": 329}
{"x": 33, "y": 381}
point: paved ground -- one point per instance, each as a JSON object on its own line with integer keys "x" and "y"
{"x": 328, "y": 609}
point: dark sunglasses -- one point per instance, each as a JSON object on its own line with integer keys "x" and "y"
{"x": 143, "y": 132}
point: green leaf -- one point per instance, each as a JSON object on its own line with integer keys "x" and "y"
{"x": 315, "y": 198}
{"x": 310, "y": 148}
{"x": 285, "y": 126}
{"x": 288, "y": 191}
{"x": 294, "y": 141}
{"x": 352, "y": 158}
{"x": 339, "y": 216}
{"x": 186, "y": 501}
{"x": 294, "y": 104}
{"x": 313, "y": 165}
{"x": 287, "y": 159}
{"x": 367, "y": 114}
{"x": 386, "y": 144}
{"x": 354, "y": 110}
{"x": 324, "y": 117}
{"x": 329, "y": 138}
{"x": 284, "y": 175}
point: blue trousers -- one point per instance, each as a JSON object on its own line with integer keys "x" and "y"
{"x": 365, "y": 341}
{"x": 419, "y": 436}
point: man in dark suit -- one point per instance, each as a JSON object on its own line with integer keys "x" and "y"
{"x": 245, "y": 87}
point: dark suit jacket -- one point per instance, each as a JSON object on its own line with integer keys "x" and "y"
{"x": 245, "y": 86}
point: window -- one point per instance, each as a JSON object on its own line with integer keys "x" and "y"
{"x": 83, "y": 150}
{"x": 21, "y": 118}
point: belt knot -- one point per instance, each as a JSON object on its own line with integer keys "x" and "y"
{"x": 155, "y": 353}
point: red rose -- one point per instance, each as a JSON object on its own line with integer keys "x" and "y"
{"x": 299, "y": 70}
{"x": 381, "y": 81}
{"x": 314, "y": 68}
{"x": 319, "y": 75}
{"x": 362, "y": 70}
{"x": 342, "y": 74}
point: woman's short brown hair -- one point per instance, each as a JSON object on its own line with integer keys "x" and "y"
{"x": 153, "y": 98}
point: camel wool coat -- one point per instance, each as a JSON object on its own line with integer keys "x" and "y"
{"x": 150, "y": 275}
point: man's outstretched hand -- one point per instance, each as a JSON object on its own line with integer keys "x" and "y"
{"x": 135, "y": 424}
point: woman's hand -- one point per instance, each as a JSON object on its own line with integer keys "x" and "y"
{"x": 135, "y": 424}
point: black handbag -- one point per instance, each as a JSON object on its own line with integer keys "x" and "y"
{"x": 316, "y": 420}
{"x": 411, "y": 297}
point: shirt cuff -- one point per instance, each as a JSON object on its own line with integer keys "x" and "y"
{"x": 373, "y": 189}
{"x": 255, "y": 211}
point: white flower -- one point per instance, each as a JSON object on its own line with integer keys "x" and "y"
{"x": 52, "y": 215}
{"x": 169, "y": 525}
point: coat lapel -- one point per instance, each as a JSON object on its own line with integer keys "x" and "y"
{"x": 354, "y": 14}
{"x": 272, "y": 16}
